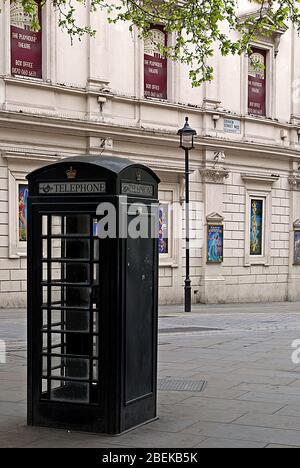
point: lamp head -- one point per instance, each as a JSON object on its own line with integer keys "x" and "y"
{"x": 187, "y": 134}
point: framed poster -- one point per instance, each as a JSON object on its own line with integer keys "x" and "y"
{"x": 297, "y": 248}
{"x": 257, "y": 82}
{"x": 95, "y": 227}
{"x": 155, "y": 65}
{"x": 256, "y": 227}
{"x": 22, "y": 212}
{"x": 215, "y": 243}
{"x": 163, "y": 231}
{"x": 26, "y": 45}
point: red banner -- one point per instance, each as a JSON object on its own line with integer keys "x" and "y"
{"x": 155, "y": 65}
{"x": 257, "y": 83}
{"x": 26, "y": 45}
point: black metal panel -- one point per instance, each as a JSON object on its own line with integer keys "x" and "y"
{"x": 111, "y": 164}
{"x": 139, "y": 318}
{"x": 75, "y": 417}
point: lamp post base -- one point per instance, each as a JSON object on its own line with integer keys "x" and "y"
{"x": 187, "y": 296}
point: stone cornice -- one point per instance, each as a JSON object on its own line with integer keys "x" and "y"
{"x": 269, "y": 30}
{"x": 158, "y": 164}
{"x": 39, "y": 84}
{"x": 114, "y": 95}
{"x": 263, "y": 178}
{"x": 258, "y": 13}
{"x": 20, "y": 154}
{"x": 29, "y": 122}
{"x": 14, "y": 154}
{"x": 214, "y": 218}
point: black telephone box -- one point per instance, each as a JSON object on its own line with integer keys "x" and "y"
{"x": 92, "y": 299}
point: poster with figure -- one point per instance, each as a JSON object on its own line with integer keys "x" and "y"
{"x": 163, "y": 232}
{"x": 256, "y": 227}
{"x": 22, "y": 208}
{"x": 297, "y": 248}
{"x": 215, "y": 244}
{"x": 26, "y": 45}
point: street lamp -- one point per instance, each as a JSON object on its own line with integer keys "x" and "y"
{"x": 187, "y": 135}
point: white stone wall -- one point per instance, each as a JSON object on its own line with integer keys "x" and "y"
{"x": 12, "y": 271}
{"x": 59, "y": 116}
{"x": 197, "y": 234}
{"x": 264, "y": 283}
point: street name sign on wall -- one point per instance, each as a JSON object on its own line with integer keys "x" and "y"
{"x": 232, "y": 126}
{"x": 26, "y": 45}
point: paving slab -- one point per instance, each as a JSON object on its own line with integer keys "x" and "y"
{"x": 274, "y": 446}
{"x": 270, "y": 421}
{"x": 212, "y": 442}
{"x": 252, "y": 396}
{"x": 271, "y": 397}
{"x": 246, "y": 433}
{"x": 227, "y": 405}
{"x": 289, "y": 410}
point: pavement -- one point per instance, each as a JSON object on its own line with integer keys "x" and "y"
{"x": 242, "y": 352}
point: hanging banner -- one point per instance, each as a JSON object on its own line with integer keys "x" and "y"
{"x": 26, "y": 45}
{"x": 257, "y": 83}
{"x": 155, "y": 65}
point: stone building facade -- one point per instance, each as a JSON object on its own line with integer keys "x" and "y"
{"x": 96, "y": 97}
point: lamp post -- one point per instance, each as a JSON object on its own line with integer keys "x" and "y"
{"x": 187, "y": 135}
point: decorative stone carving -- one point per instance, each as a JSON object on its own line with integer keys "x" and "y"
{"x": 215, "y": 218}
{"x": 181, "y": 189}
{"x": 277, "y": 39}
{"x": 294, "y": 181}
{"x": 97, "y": 85}
{"x": 271, "y": 31}
{"x": 214, "y": 172}
{"x": 211, "y": 103}
{"x": 297, "y": 225}
{"x": 214, "y": 176}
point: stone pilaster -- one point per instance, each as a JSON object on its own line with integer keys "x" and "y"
{"x": 294, "y": 270}
{"x": 214, "y": 174}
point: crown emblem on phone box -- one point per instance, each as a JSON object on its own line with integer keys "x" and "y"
{"x": 71, "y": 173}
